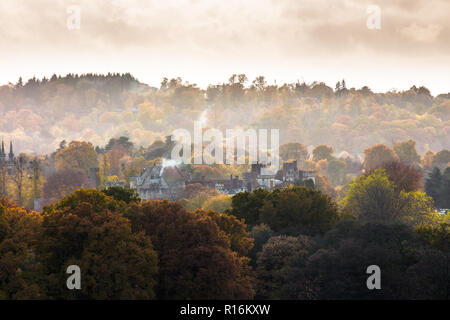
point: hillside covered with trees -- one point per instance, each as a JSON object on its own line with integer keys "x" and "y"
{"x": 39, "y": 113}
{"x": 380, "y": 194}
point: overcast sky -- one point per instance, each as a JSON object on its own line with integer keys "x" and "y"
{"x": 205, "y": 41}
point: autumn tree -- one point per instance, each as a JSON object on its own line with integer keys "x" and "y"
{"x": 195, "y": 257}
{"x": 114, "y": 156}
{"x": 63, "y": 183}
{"x": 3, "y": 182}
{"x": 427, "y": 161}
{"x": 35, "y": 168}
{"x": 378, "y": 154}
{"x": 78, "y": 155}
{"x": 19, "y": 267}
{"x": 324, "y": 185}
{"x": 219, "y": 203}
{"x": 260, "y": 83}
{"x": 235, "y": 230}
{"x": 104, "y": 170}
{"x": 194, "y": 189}
{"x": 87, "y": 229}
{"x": 19, "y": 176}
{"x": 203, "y": 197}
{"x": 133, "y": 167}
{"x": 404, "y": 176}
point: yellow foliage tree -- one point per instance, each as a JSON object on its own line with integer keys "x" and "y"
{"x": 78, "y": 155}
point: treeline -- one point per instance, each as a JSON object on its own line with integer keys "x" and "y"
{"x": 38, "y": 114}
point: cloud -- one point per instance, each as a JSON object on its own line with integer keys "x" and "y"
{"x": 203, "y": 38}
{"x": 428, "y": 33}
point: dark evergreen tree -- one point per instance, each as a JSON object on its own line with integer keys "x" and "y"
{"x": 433, "y": 186}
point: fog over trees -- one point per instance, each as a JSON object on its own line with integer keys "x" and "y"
{"x": 39, "y": 113}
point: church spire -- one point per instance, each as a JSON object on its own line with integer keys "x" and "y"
{"x": 11, "y": 152}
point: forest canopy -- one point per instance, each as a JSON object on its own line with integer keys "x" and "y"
{"x": 39, "y": 113}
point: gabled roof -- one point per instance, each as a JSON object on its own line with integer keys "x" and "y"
{"x": 172, "y": 174}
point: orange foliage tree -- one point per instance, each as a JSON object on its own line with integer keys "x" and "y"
{"x": 88, "y": 230}
{"x": 378, "y": 154}
{"x": 195, "y": 257}
{"x": 19, "y": 268}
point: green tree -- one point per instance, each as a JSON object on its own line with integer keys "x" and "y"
{"x": 376, "y": 198}
{"x": 293, "y": 151}
{"x": 322, "y": 152}
{"x": 275, "y": 261}
{"x": 433, "y": 186}
{"x": 407, "y": 152}
{"x": 336, "y": 171}
{"x": 372, "y": 197}
{"x": 299, "y": 210}
{"x": 260, "y": 233}
{"x": 246, "y": 205}
{"x": 122, "y": 194}
{"x": 429, "y": 277}
{"x": 441, "y": 159}
{"x": 338, "y": 270}
{"x": 445, "y": 189}
{"x": 122, "y": 142}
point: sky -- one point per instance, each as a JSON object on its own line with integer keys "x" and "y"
{"x": 384, "y": 44}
